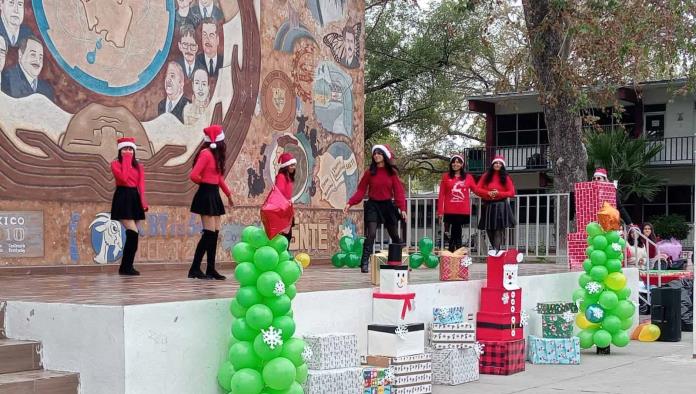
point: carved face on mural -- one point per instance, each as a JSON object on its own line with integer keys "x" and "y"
{"x": 3, "y": 52}
{"x": 183, "y": 4}
{"x": 188, "y": 45}
{"x": 201, "y": 88}
{"x": 349, "y": 43}
{"x": 205, "y": 3}
{"x": 31, "y": 58}
{"x": 174, "y": 81}
{"x": 12, "y": 12}
{"x": 211, "y": 39}
{"x": 111, "y": 17}
{"x": 279, "y": 98}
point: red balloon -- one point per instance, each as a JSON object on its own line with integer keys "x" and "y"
{"x": 276, "y": 213}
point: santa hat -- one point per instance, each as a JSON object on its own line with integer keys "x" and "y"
{"x": 213, "y": 134}
{"x": 600, "y": 172}
{"x": 124, "y": 142}
{"x": 457, "y": 157}
{"x": 286, "y": 160}
{"x": 385, "y": 149}
{"x": 498, "y": 158}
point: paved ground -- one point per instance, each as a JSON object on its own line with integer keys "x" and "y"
{"x": 655, "y": 368}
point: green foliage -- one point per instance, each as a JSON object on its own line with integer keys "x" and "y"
{"x": 670, "y": 226}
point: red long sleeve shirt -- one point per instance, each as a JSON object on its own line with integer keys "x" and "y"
{"x": 284, "y": 184}
{"x": 127, "y": 176}
{"x": 504, "y": 191}
{"x": 205, "y": 171}
{"x": 454, "y": 195}
{"x": 382, "y": 187}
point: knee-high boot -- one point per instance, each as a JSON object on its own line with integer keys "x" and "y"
{"x": 195, "y": 270}
{"x": 210, "y": 271}
{"x": 129, "y": 250}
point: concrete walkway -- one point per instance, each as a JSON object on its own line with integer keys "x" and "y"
{"x": 654, "y": 368}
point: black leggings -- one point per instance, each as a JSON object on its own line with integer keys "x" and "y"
{"x": 495, "y": 237}
{"x": 455, "y": 238}
{"x": 371, "y": 235}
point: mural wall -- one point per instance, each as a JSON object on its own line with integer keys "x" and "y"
{"x": 279, "y": 75}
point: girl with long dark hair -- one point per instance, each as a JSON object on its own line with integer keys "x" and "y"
{"x": 285, "y": 180}
{"x": 208, "y": 172}
{"x": 128, "y": 205}
{"x": 453, "y": 206}
{"x": 386, "y": 202}
{"x": 494, "y": 188}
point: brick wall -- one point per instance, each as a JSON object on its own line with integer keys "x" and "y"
{"x": 589, "y": 198}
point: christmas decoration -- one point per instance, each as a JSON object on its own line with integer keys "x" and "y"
{"x": 424, "y": 255}
{"x": 350, "y": 253}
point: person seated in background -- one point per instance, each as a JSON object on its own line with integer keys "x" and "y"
{"x": 654, "y": 254}
{"x": 636, "y": 248}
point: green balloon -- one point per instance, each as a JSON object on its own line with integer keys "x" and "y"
{"x": 613, "y": 265}
{"x": 279, "y": 305}
{"x": 248, "y": 296}
{"x": 246, "y": 381}
{"x": 584, "y": 279}
{"x": 624, "y": 309}
{"x": 291, "y": 291}
{"x": 612, "y": 253}
{"x": 242, "y": 252}
{"x": 425, "y": 246}
{"x": 586, "y": 340}
{"x": 626, "y": 323}
{"x": 589, "y": 250}
{"x": 432, "y": 261}
{"x": 224, "y": 375}
{"x": 231, "y": 341}
{"x": 612, "y": 324}
{"x": 236, "y": 309}
{"x": 345, "y": 259}
{"x": 242, "y": 355}
{"x": 266, "y": 258}
{"x": 279, "y": 243}
{"x": 587, "y": 265}
{"x": 608, "y": 300}
{"x": 599, "y": 273}
{"x": 290, "y": 313}
{"x": 622, "y": 242}
{"x": 599, "y": 242}
{"x": 284, "y": 256}
{"x": 292, "y": 350}
{"x": 593, "y": 298}
{"x": 279, "y": 373}
{"x": 594, "y": 229}
{"x": 578, "y": 294}
{"x": 264, "y": 352}
{"x": 620, "y": 338}
{"x": 624, "y": 293}
{"x": 346, "y": 243}
{"x": 415, "y": 260}
{"x": 598, "y": 257}
{"x": 246, "y": 274}
{"x": 255, "y": 236}
{"x": 259, "y": 317}
{"x": 302, "y": 373}
{"x": 286, "y": 324}
{"x": 587, "y": 302}
{"x": 289, "y": 272}
{"x": 242, "y": 331}
{"x": 602, "y": 338}
{"x": 337, "y": 260}
{"x": 612, "y": 236}
{"x": 267, "y": 283}
{"x": 358, "y": 246}
{"x": 353, "y": 260}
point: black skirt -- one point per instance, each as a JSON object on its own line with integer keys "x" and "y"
{"x": 496, "y": 215}
{"x": 456, "y": 219}
{"x": 207, "y": 201}
{"x": 126, "y": 204}
{"x": 382, "y": 212}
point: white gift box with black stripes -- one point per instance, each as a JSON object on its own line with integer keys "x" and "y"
{"x": 455, "y": 366}
{"x": 334, "y": 381}
{"x": 395, "y": 340}
{"x": 453, "y": 335}
{"x": 332, "y": 351}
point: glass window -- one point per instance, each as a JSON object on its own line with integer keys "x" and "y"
{"x": 680, "y": 194}
{"x": 654, "y": 126}
{"x": 528, "y": 137}
{"x": 650, "y": 211}
{"x": 507, "y": 139}
{"x": 655, "y": 108}
{"x": 506, "y": 122}
{"x": 681, "y": 209}
{"x": 527, "y": 121}
{"x": 660, "y": 196}
{"x": 542, "y": 120}
{"x": 543, "y": 136}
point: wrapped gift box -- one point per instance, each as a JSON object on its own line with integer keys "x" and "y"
{"x": 393, "y": 308}
{"x": 502, "y": 270}
{"x": 393, "y": 279}
{"x": 565, "y": 351}
{"x": 379, "y": 259}
{"x": 395, "y": 340}
{"x": 338, "y": 381}
{"x": 556, "y": 326}
{"x": 448, "y": 314}
{"x": 501, "y": 300}
{"x": 455, "y": 265}
{"x": 375, "y": 381}
{"x": 502, "y": 357}
{"x": 558, "y": 307}
{"x": 498, "y": 326}
{"x": 412, "y": 374}
{"x": 455, "y": 366}
{"x": 332, "y": 351}
{"x": 452, "y": 336}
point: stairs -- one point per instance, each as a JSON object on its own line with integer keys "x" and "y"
{"x": 21, "y": 371}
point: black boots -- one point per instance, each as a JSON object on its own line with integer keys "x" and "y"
{"x": 210, "y": 271}
{"x": 365, "y": 260}
{"x": 206, "y": 245}
{"x": 129, "y": 250}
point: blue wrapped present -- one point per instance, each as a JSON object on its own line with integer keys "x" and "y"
{"x": 564, "y": 351}
{"x": 448, "y": 314}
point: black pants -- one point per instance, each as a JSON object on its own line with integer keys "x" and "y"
{"x": 371, "y": 235}
{"x": 455, "y": 239}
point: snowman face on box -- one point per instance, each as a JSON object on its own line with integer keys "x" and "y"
{"x": 393, "y": 279}
{"x": 510, "y": 276}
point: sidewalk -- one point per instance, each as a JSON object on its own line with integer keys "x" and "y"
{"x": 657, "y": 367}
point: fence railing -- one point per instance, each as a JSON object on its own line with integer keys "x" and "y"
{"x": 518, "y": 158}
{"x": 675, "y": 150}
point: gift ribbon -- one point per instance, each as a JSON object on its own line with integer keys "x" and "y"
{"x": 407, "y": 298}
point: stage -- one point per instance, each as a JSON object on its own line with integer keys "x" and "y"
{"x": 164, "y": 333}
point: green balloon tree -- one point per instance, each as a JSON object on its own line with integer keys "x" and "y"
{"x": 424, "y": 255}
{"x": 350, "y": 253}
{"x": 606, "y": 313}
{"x": 263, "y": 356}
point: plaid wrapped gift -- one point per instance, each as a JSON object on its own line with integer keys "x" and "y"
{"x": 455, "y": 366}
{"x": 455, "y": 265}
{"x": 556, "y": 307}
{"x": 502, "y": 357}
{"x": 375, "y": 381}
{"x": 556, "y": 326}
{"x": 453, "y": 336}
{"x": 335, "y": 381}
{"x": 332, "y": 351}
{"x": 565, "y": 351}
{"x": 448, "y": 314}
{"x": 412, "y": 374}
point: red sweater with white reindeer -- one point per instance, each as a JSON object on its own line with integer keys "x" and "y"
{"x": 380, "y": 187}
{"x": 205, "y": 171}
{"x": 454, "y": 195}
{"x": 504, "y": 191}
{"x": 128, "y": 176}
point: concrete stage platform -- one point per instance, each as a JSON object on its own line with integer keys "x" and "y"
{"x": 164, "y": 333}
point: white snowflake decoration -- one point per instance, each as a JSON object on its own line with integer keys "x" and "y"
{"x": 598, "y": 313}
{"x": 272, "y": 337}
{"x": 568, "y": 316}
{"x": 616, "y": 247}
{"x": 443, "y": 313}
{"x": 593, "y": 287}
{"x": 466, "y": 261}
{"x": 389, "y": 375}
{"x": 279, "y": 289}
{"x": 479, "y": 348}
{"x": 307, "y": 353}
{"x": 505, "y": 298}
{"x": 524, "y": 319}
{"x": 401, "y": 331}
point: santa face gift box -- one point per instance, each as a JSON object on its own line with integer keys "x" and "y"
{"x": 502, "y": 270}
{"x": 395, "y": 340}
{"x": 499, "y": 326}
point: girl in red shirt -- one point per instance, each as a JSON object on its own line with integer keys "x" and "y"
{"x": 128, "y": 205}
{"x": 453, "y": 201}
{"x": 386, "y": 202}
{"x": 285, "y": 180}
{"x": 208, "y": 172}
{"x": 494, "y": 188}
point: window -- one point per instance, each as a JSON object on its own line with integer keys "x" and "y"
{"x": 654, "y": 121}
{"x": 521, "y": 129}
{"x": 673, "y": 199}
{"x": 610, "y": 118}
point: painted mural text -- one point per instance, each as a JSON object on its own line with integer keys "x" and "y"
{"x": 310, "y": 237}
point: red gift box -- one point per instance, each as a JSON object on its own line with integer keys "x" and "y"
{"x": 502, "y": 357}
{"x": 498, "y": 326}
{"x": 501, "y": 300}
{"x": 495, "y": 268}
{"x": 454, "y": 266}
